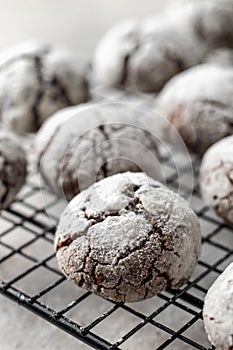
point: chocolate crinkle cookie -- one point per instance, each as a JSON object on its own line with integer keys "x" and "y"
{"x": 35, "y": 81}
{"x": 216, "y": 178}
{"x": 81, "y": 145}
{"x": 128, "y": 237}
{"x": 12, "y": 167}
{"x": 198, "y": 104}
{"x": 143, "y": 56}
{"x": 218, "y": 311}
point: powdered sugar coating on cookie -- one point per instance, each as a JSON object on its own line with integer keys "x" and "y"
{"x": 12, "y": 167}
{"x": 218, "y": 311}
{"x": 81, "y": 145}
{"x": 143, "y": 56}
{"x": 216, "y": 178}
{"x": 128, "y": 237}
{"x": 35, "y": 81}
{"x": 198, "y": 103}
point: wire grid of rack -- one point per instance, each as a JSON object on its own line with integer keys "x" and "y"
{"x": 27, "y": 215}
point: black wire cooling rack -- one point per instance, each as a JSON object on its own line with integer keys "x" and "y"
{"x": 30, "y": 277}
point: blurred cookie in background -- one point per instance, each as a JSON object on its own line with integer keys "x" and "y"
{"x": 13, "y": 167}
{"x": 36, "y": 80}
{"x": 216, "y": 178}
{"x": 143, "y": 56}
{"x": 198, "y": 104}
{"x": 80, "y": 145}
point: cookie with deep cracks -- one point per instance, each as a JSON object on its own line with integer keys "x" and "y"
{"x": 35, "y": 81}
{"x": 143, "y": 56}
{"x": 80, "y": 145}
{"x": 127, "y": 238}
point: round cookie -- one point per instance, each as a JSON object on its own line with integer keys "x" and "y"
{"x": 198, "y": 104}
{"x": 144, "y": 56}
{"x": 12, "y": 167}
{"x": 81, "y": 145}
{"x": 216, "y": 178}
{"x": 35, "y": 81}
{"x": 127, "y": 238}
{"x": 218, "y": 311}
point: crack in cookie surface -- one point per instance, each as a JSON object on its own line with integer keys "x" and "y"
{"x": 127, "y": 58}
{"x": 62, "y": 90}
{"x": 40, "y": 92}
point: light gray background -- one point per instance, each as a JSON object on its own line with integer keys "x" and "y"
{"x": 76, "y": 24}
